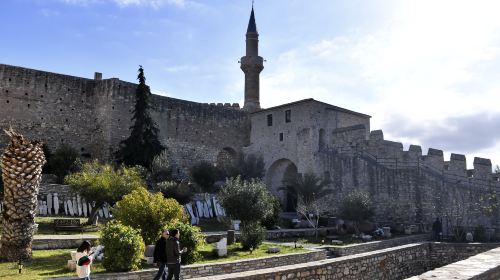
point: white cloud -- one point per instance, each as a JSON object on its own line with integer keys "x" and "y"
{"x": 432, "y": 60}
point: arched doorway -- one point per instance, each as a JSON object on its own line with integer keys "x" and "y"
{"x": 277, "y": 175}
{"x": 226, "y": 156}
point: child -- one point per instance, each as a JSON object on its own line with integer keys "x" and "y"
{"x": 83, "y": 260}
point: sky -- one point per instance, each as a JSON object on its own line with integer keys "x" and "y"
{"x": 428, "y": 72}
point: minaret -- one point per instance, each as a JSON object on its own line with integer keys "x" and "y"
{"x": 252, "y": 64}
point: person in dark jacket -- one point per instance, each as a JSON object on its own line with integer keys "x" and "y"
{"x": 160, "y": 255}
{"x": 174, "y": 255}
{"x": 437, "y": 228}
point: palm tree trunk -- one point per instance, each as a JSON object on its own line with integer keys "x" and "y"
{"x": 22, "y": 164}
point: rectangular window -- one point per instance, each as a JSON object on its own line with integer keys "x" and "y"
{"x": 288, "y": 116}
{"x": 281, "y": 136}
{"x": 270, "y": 120}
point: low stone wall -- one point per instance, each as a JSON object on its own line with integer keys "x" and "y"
{"x": 41, "y": 242}
{"x": 484, "y": 266}
{"x": 213, "y": 269}
{"x": 392, "y": 263}
{"x": 446, "y": 253}
{"x": 347, "y": 250}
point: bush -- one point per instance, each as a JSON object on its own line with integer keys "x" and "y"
{"x": 62, "y": 162}
{"x": 356, "y": 207}
{"x": 102, "y": 183}
{"x": 248, "y": 201}
{"x": 148, "y": 212}
{"x": 161, "y": 168}
{"x": 246, "y": 166}
{"x": 124, "y": 247}
{"x": 205, "y": 174}
{"x": 182, "y": 192}
{"x": 480, "y": 234}
{"x": 273, "y": 219}
{"x": 252, "y": 235}
{"x": 191, "y": 238}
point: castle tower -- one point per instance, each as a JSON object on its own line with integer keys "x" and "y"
{"x": 252, "y": 64}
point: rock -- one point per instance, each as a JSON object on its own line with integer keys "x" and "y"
{"x": 273, "y": 249}
{"x": 337, "y": 242}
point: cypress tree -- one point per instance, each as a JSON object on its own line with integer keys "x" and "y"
{"x": 143, "y": 144}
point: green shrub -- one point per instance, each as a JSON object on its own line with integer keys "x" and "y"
{"x": 246, "y": 166}
{"x": 124, "y": 247}
{"x": 205, "y": 174}
{"x": 191, "y": 238}
{"x": 248, "y": 201}
{"x": 182, "y": 192}
{"x": 62, "y": 162}
{"x": 356, "y": 207}
{"x": 161, "y": 168}
{"x": 252, "y": 235}
{"x": 148, "y": 212}
{"x": 102, "y": 183}
{"x": 480, "y": 234}
{"x": 274, "y": 218}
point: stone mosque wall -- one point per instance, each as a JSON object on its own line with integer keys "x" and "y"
{"x": 94, "y": 115}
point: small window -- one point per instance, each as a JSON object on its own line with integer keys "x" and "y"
{"x": 288, "y": 116}
{"x": 270, "y": 120}
{"x": 281, "y": 136}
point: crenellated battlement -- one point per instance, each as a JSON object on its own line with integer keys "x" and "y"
{"x": 391, "y": 155}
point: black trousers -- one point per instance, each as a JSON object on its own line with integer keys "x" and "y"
{"x": 173, "y": 271}
{"x": 161, "y": 271}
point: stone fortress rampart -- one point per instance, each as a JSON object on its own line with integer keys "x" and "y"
{"x": 408, "y": 185}
{"x": 94, "y": 115}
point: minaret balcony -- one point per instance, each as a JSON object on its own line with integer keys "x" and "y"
{"x": 252, "y": 60}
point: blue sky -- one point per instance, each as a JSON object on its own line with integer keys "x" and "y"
{"x": 427, "y": 71}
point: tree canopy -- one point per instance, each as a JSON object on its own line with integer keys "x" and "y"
{"x": 143, "y": 143}
{"x": 102, "y": 183}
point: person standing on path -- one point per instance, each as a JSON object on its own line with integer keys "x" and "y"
{"x": 84, "y": 258}
{"x": 436, "y": 230}
{"x": 174, "y": 255}
{"x": 160, "y": 255}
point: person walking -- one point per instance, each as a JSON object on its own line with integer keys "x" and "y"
{"x": 436, "y": 229}
{"x": 160, "y": 255}
{"x": 84, "y": 258}
{"x": 174, "y": 255}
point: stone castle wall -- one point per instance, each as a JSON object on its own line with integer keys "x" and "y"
{"x": 407, "y": 186}
{"x": 94, "y": 115}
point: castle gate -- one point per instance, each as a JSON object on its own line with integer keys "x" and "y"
{"x": 278, "y": 173}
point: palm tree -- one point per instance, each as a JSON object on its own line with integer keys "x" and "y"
{"x": 22, "y": 164}
{"x": 306, "y": 187}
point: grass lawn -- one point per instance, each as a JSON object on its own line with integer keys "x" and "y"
{"x": 212, "y": 225}
{"x": 312, "y": 241}
{"x": 234, "y": 252}
{"x": 46, "y": 226}
{"x": 45, "y": 264}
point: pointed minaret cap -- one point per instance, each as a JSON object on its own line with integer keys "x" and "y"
{"x": 252, "y": 27}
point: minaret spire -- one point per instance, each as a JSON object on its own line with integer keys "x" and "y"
{"x": 252, "y": 64}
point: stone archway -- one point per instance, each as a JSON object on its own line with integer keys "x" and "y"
{"x": 276, "y": 176}
{"x": 226, "y": 156}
